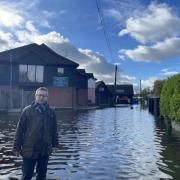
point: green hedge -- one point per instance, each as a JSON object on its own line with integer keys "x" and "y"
{"x": 170, "y": 98}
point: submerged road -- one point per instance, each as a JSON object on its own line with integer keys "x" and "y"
{"x": 102, "y": 144}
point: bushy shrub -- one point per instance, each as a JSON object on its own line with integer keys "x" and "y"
{"x": 170, "y": 98}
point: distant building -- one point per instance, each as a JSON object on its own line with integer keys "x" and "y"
{"x": 103, "y": 95}
{"x": 123, "y": 93}
{"x": 81, "y": 87}
{"x": 91, "y": 88}
{"x": 26, "y": 68}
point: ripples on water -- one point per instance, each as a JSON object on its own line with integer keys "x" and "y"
{"x": 111, "y": 143}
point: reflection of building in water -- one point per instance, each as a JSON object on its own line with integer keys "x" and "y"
{"x": 69, "y": 142}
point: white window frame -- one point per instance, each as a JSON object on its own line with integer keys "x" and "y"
{"x": 27, "y": 73}
{"x": 60, "y": 70}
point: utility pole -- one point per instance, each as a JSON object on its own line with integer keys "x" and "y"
{"x": 115, "y": 83}
{"x": 115, "y": 76}
{"x": 140, "y": 91}
{"x": 140, "y": 88}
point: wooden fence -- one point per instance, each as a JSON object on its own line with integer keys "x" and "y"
{"x": 15, "y": 99}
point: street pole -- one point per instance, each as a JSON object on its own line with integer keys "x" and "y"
{"x": 140, "y": 91}
{"x": 115, "y": 83}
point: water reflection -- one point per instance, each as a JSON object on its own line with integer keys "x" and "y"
{"x": 112, "y": 143}
{"x": 170, "y": 140}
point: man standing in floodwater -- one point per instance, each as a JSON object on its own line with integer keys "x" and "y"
{"x": 36, "y": 136}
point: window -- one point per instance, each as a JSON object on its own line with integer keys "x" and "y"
{"x": 120, "y": 90}
{"x": 60, "y": 71}
{"x": 22, "y": 73}
{"x": 39, "y": 74}
{"x": 31, "y": 73}
{"x": 101, "y": 89}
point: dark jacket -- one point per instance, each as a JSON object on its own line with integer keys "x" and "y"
{"x": 36, "y": 133}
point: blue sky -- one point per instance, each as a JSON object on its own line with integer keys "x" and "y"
{"x": 144, "y": 35}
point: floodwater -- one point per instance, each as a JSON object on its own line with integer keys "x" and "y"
{"x": 102, "y": 144}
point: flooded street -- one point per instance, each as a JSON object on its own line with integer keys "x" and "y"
{"x": 102, "y": 144}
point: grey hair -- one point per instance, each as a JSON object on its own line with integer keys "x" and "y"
{"x": 41, "y": 89}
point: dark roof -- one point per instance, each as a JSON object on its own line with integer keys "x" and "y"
{"x": 124, "y": 89}
{"x": 102, "y": 84}
{"x": 81, "y": 72}
{"x": 98, "y": 83}
{"x": 49, "y": 56}
{"x": 90, "y": 75}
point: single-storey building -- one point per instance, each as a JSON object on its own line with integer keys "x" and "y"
{"x": 26, "y": 68}
{"x": 91, "y": 88}
{"x": 123, "y": 93}
{"x": 81, "y": 87}
{"x": 103, "y": 95}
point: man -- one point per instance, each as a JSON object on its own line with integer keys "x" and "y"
{"x": 36, "y": 136}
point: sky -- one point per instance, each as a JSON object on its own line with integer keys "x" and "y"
{"x": 143, "y": 35}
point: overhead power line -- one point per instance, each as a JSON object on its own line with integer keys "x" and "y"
{"x": 98, "y": 4}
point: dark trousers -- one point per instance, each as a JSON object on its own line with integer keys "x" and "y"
{"x": 29, "y": 165}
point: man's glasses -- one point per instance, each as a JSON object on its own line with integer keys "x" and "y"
{"x": 42, "y": 95}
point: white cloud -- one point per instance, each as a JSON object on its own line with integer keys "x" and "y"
{"x": 92, "y": 61}
{"x": 37, "y": 37}
{"x": 104, "y": 70}
{"x": 30, "y": 27}
{"x": 164, "y": 70}
{"x": 158, "y": 29}
{"x": 119, "y": 11}
{"x": 98, "y": 64}
{"x": 149, "y": 83}
{"x": 14, "y": 14}
{"x": 10, "y": 18}
{"x": 25, "y": 31}
{"x": 168, "y": 72}
{"x": 156, "y": 23}
{"x": 48, "y": 14}
{"x": 28, "y": 4}
{"x": 114, "y": 13}
{"x": 46, "y": 24}
{"x": 7, "y": 41}
{"x": 171, "y": 73}
{"x": 157, "y": 52}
